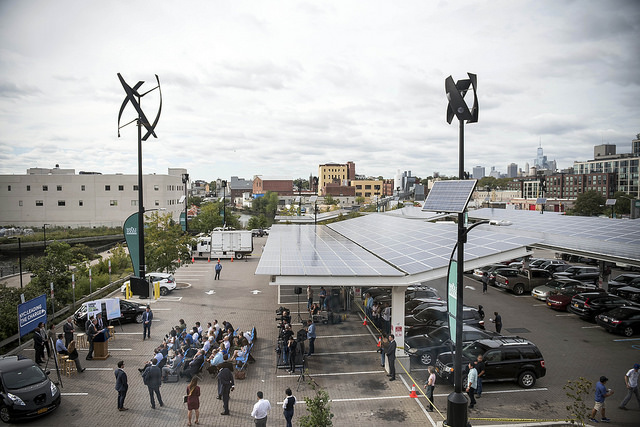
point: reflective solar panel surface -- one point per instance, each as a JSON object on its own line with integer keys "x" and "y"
{"x": 600, "y": 236}
{"x": 449, "y": 196}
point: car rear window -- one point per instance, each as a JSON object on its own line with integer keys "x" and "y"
{"x": 530, "y": 353}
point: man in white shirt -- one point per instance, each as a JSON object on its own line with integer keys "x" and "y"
{"x": 631, "y": 381}
{"x": 472, "y": 384}
{"x": 261, "y": 410}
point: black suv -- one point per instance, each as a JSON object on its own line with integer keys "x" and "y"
{"x": 506, "y": 359}
{"x": 421, "y": 322}
{"x": 25, "y": 390}
{"x": 589, "y": 304}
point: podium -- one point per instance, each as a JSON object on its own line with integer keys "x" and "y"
{"x": 101, "y": 346}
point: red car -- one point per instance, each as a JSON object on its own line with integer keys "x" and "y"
{"x": 560, "y": 301}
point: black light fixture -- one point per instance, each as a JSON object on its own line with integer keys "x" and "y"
{"x": 185, "y": 182}
{"x": 224, "y": 203}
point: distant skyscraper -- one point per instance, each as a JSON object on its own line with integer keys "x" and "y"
{"x": 478, "y": 172}
{"x": 526, "y": 169}
{"x": 494, "y": 173}
{"x": 512, "y": 170}
{"x": 541, "y": 160}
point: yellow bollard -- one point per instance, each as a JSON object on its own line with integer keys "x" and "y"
{"x": 156, "y": 290}
{"x": 127, "y": 292}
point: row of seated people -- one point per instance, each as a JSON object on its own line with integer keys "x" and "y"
{"x": 184, "y": 351}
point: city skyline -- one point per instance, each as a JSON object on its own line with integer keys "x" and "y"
{"x": 251, "y": 89}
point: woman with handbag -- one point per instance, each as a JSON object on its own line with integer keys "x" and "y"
{"x": 193, "y": 399}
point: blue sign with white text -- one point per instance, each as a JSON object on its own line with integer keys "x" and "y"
{"x": 31, "y": 313}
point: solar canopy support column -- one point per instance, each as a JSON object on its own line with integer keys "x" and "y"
{"x": 397, "y": 319}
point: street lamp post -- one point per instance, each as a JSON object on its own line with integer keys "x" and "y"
{"x": 44, "y": 231}
{"x": 19, "y": 257}
{"x": 185, "y": 181}
{"x": 224, "y": 203}
{"x": 455, "y": 91}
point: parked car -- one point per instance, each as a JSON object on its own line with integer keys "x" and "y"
{"x": 493, "y": 273}
{"x": 584, "y": 274}
{"x": 547, "y": 263}
{"x": 420, "y": 323}
{"x": 561, "y": 300}
{"x": 410, "y": 306}
{"x": 374, "y": 292}
{"x": 537, "y": 262}
{"x": 589, "y": 304}
{"x": 428, "y": 302}
{"x": 25, "y": 390}
{"x": 421, "y": 291}
{"x": 506, "y": 359}
{"x": 427, "y": 347}
{"x": 167, "y": 282}
{"x": 556, "y": 268}
{"x": 559, "y": 285}
{"x": 129, "y": 312}
{"x": 622, "y": 320}
{"x": 524, "y": 281}
{"x": 624, "y": 279}
{"x": 479, "y": 272}
{"x": 630, "y": 293}
{"x": 258, "y": 232}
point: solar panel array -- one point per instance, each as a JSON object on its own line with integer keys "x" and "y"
{"x": 449, "y": 196}
{"x": 604, "y": 236}
{"x": 308, "y": 250}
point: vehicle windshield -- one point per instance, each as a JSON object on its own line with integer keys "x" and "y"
{"x": 21, "y": 378}
{"x": 440, "y": 334}
{"x": 472, "y": 351}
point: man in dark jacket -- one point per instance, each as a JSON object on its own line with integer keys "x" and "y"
{"x": 38, "y": 345}
{"x": 92, "y": 331}
{"x": 147, "y": 318}
{"x": 152, "y": 377}
{"x": 391, "y": 357}
{"x": 122, "y": 385}
{"x": 225, "y": 385}
{"x": 68, "y": 330}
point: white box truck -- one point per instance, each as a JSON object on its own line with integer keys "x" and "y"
{"x": 224, "y": 244}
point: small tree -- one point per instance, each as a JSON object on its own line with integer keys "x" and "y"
{"x": 578, "y": 391}
{"x": 318, "y": 408}
{"x": 590, "y": 203}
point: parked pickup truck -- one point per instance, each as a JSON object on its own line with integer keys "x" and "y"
{"x": 524, "y": 281}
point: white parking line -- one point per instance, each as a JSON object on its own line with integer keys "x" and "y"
{"x": 77, "y": 394}
{"x": 590, "y": 327}
{"x": 627, "y": 339}
{"x": 342, "y": 336}
{"x": 339, "y": 374}
{"x": 564, "y": 315}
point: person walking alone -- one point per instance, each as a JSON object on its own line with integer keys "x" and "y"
{"x": 311, "y": 336}
{"x": 631, "y": 381}
{"x": 225, "y": 387}
{"x": 218, "y": 270}
{"x": 498, "y": 321}
{"x": 193, "y": 400}
{"x": 602, "y": 392}
{"x": 122, "y": 385}
{"x": 153, "y": 380}
{"x": 391, "y": 357}
{"x": 147, "y": 318}
{"x": 287, "y": 406}
{"x": 260, "y": 410}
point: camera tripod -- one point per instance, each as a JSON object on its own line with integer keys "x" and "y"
{"x": 304, "y": 372}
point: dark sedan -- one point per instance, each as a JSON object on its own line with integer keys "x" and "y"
{"x": 624, "y": 280}
{"x": 25, "y": 390}
{"x": 420, "y": 323}
{"x": 589, "y": 304}
{"x": 129, "y": 312}
{"x": 427, "y": 347}
{"x": 621, "y": 320}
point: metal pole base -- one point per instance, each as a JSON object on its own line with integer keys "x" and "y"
{"x": 457, "y": 410}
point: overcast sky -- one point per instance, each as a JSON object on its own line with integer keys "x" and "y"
{"x": 275, "y": 88}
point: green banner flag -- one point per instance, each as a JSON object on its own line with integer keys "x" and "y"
{"x": 182, "y": 221}
{"x": 452, "y": 298}
{"x": 130, "y": 230}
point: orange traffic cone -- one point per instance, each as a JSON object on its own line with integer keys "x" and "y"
{"x": 231, "y": 258}
{"x": 209, "y": 259}
{"x": 193, "y": 259}
{"x": 413, "y": 392}
{"x": 365, "y": 321}
{"x": 379, "y": 341}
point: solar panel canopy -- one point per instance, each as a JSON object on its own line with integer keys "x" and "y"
{"x": 449, "y": 196}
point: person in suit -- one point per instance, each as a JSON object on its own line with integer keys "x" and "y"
{"x": 174, "y": 366}
{"x": 152, "y": 377}
{"x": 92, "y": 331}
{"x": 38, "y": 345}
{"x": 147, "y": 317}
{"x": 122, "y": 385}
{"x": 100, "y": 325}
{"x": 225, "y": 386}
{"x": 195, "y": 365}
{"x": 68, "y": 330}
{"x": 391, "y": 356}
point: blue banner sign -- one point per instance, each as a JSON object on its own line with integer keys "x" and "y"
{"x": 31, "y": 313}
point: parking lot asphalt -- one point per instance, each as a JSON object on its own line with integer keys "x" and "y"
{"x": 345, "y": 364}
